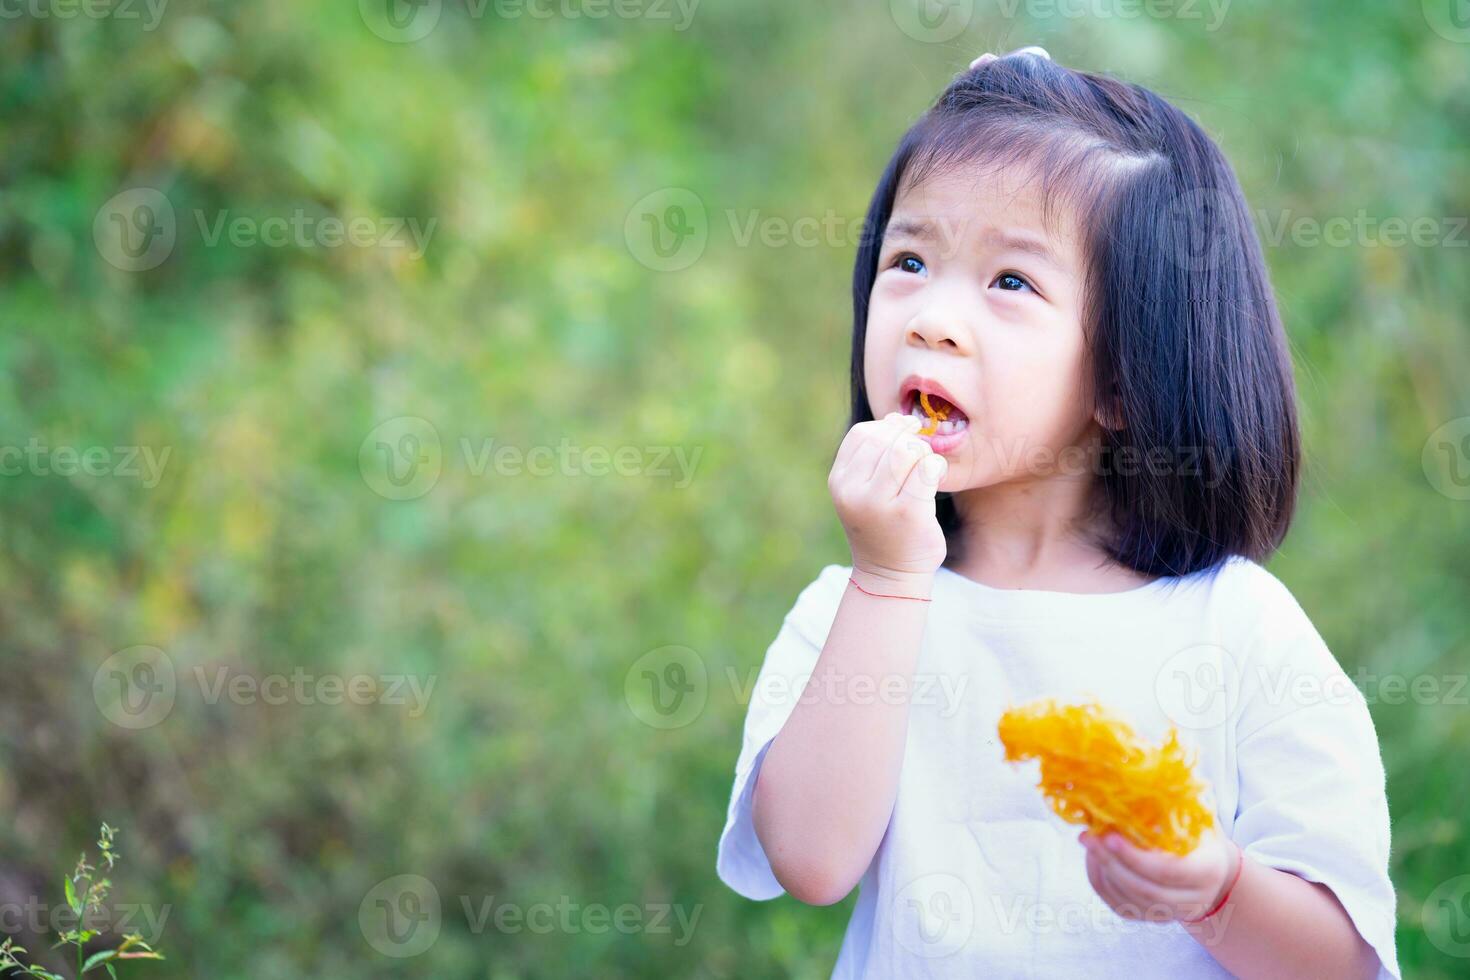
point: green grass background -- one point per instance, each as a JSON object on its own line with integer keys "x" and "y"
{"x": 530, "y": 320}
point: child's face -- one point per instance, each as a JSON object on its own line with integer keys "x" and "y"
{"x": 990, "y": 326}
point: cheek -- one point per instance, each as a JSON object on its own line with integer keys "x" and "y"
{"x": 1039, "y": 392}
{"x": 879, "y": 354}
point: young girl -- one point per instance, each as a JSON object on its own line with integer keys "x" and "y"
{"x": 1063, "y": 268}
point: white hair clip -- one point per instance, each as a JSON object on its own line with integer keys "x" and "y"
{"x": 987, "y": 57}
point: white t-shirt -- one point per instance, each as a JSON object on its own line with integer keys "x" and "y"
{"x": 976, "y": 876}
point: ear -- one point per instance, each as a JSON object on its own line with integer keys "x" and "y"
{"x": 1110, "y": 415}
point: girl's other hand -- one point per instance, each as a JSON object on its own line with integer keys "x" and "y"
{"x": 883, "y": 483}
{"x": 1157, "y": 886}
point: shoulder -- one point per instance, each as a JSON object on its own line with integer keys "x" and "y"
{"x": 1284, "y": 661}
{"x": 1258, "y": 603}
{"x": 1259, "y": 622}
{"x": 1248, "y": 583}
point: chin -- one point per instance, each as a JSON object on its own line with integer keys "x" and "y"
{"x": 960, "y": 477}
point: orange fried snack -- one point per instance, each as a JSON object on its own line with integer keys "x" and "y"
{"x": 1095, "y": 772}
{"x": 936, "y": 415}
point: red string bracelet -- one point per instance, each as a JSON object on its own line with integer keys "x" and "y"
{"x": 885, "y": 595}
{"x": 1225, "y": 897}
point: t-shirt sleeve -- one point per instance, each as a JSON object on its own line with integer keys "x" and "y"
{"x": 1313, "y": 799}
{"x": 790, "y": 659}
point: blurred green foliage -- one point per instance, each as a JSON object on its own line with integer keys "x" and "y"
{"x": 533, "y": 318}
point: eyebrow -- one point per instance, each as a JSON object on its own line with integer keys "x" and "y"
{"x": 922, "y": 229}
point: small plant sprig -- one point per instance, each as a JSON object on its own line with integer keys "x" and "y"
{"x": 85, "y": 892}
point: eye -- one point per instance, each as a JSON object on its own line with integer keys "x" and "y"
{"x": 1011, "y": 282}
{"x": 910, "y": 263}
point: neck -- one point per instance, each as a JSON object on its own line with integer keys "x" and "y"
{"x": 1028, "y": 531}
{"x": 1038, "y": 531}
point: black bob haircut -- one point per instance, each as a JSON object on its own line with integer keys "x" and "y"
{"x": 1189, "y": 359}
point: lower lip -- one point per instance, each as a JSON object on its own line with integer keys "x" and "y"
{"x": 946, "y": 442}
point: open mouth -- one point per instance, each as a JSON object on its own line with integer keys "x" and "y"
{"x": 941, "y": 417}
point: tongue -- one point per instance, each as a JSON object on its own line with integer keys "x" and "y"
{"x": 944, "y": 409}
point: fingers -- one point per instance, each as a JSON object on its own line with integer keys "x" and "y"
{"x": 888, "y": 453}
{"x": 885, "y": 531}
{"x": 1167, "y": 870}
{"x": 1119, "y": 894}
{"x": 904, "y": 428}
{"x": 1140, "y": 891}
{"x": 898, "y": 463}
{"x": 875, "y": 442}
{"x": 1134, "y": 893}
{"x": 849, "y": 447}
{"x": 923, "y": 480}
{"x": 1103, "y": 886}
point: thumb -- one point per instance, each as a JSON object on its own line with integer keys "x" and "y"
{"x": 923, "y": 481}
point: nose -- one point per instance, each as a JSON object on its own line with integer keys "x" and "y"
{"x": 938, "y": 327}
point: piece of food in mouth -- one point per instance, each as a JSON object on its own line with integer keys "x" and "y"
{"x": 936, "y": 415}
{"x": 1095, "y": 772}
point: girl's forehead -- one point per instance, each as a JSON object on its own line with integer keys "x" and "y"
{"x": 967, "y": 208}
{"x": 984, "y": 194}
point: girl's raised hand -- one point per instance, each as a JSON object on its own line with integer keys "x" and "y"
{"x": 1157, "y": 886}
{"x": 883, "y": 483}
